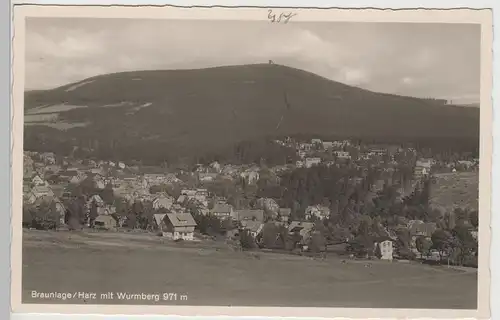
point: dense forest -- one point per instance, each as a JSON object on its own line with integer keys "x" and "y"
{"x": 205, "y": 113}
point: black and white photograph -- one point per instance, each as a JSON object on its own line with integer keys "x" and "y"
{"x": 274, "y": 161}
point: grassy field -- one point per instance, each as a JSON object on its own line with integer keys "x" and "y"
{"x": 212, "y": 274}
{"x": 459, "y": 189}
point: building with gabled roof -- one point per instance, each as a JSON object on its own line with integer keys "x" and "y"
{"x": 178, "y": 226}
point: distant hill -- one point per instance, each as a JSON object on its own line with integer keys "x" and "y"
{"x": 183, "y": 112}
{"x": 452, "y": 190}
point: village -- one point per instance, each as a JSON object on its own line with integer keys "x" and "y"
{"x": 374, "y": 208}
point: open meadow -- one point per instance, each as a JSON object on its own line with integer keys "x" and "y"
{"x": 207, "y": 273}
{"x": 456, "y": 189}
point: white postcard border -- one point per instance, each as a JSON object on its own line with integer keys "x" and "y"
{"x": 373, "y": 15}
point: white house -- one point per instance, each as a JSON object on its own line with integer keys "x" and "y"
{"x": 342, "y": 154}
{"x": 305, "y": 146}
{"x": 251, "y": 176}
{"x": 386, "y": 249}
{"x": 317, "y": 211}
{"x": 309, "y": 162}
{"x": 178, "y": 226}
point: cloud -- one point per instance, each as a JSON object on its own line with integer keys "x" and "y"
{"x": 354, "y": 76}
{"x": 407, "y": 81}
{"x": 412, "y": 59}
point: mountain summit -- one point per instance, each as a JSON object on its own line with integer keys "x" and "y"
{"x": 184, "y": 110}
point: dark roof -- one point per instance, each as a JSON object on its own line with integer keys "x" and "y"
{"x": 68, "y": 173}
{"x": 417, "y": 227}
{"x": 183, "y": 219}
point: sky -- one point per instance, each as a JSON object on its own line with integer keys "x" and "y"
{"x": 415, "y": 59}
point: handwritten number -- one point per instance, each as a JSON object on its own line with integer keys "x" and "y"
{"x": 283, "y": 17}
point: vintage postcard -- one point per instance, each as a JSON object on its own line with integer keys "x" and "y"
{"x": 251, "y": 161}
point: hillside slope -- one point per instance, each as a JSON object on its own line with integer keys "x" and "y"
{"x": 452, "y": 190}
{"x": 185, "y": 110}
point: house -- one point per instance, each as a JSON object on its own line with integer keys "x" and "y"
{"x": 229, "y": 170}
{"x": 55, "y": 205}
{"x": 377, "y": 186}
{"x": 48, "y": 157}
{"x": 330, "y": 163}
{"x": 304, "y": 229}
{"x": 171, "y": 178}
{"x": 418, "y": 228}
{"x": 342, "y": 154}
{"x": 188, "y": 193}
{"x": 379, "y": 152}
{"x": 203, "y": 211}
{"x": 327, "y": 145}
{"x": 162, "y": 201}
{"x": 37, "y": 181}
{"x": 245, "y": 215}
{"x": 421, "y": 172}
{"x": 154, "y": 179}
{"x": 91, "y": 163}
{"x": 255, "y": 227}
{"x": 78, "y": 178}
{"x": 299, "y": 164}
{"x": 159, "y": 219}
{"x": 318, "y": 211}
{"x": 284, "y": 214}
{"x": 305, "y": 146}
{"x": 67, "y": 174}
{"x": 52, "y": 168}
{"x": 466, "y": 164}
{"x": 27, "y": 165}
{"x": 26, "y": 192}
{"x": 386, "y": 249}
{"x": 268, "y": 204}
{"x": 96, "y": 171}
{"x": 316, "y": 142}
{"x": 106, "y": 210}
{"x": 207, "y": 177}
{"x": 425, "y": 163}
{"x": 60, "y": 209}
{"x": 96, "y": 199}
{"x": 98, "y": 180}
{"x": 251, "y": 176}
{"x": 223, "y": 211}
{"x": 201, "y": 194}
{"x": 474, "y": 234}
{"x": 309, "y": 162}
{"x": 182, "y": 198}
{"x": 38, "y": 192}
{"x": 279, "y": 169}
{"x": 179, "y": 226}
{"x": 216, "y": 166}
{"x": 107, "y": 222}
{"x": 302, "y": 154}
{"x": 176, "y": 208}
